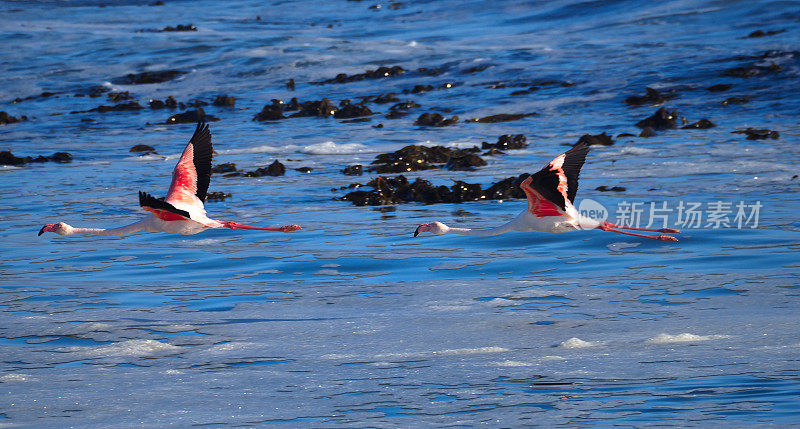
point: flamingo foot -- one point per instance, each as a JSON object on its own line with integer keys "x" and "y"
{"x": 290, "y": 228}
{"x": 669, "y": 230}
{"x": 666, "y": 238}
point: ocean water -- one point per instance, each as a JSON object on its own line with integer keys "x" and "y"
{"x": 351, "y": 321}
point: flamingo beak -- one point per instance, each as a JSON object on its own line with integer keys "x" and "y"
{"x": 416, "y": 231}
{"x": 48, "y": 227}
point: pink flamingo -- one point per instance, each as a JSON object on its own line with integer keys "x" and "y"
{"x": 181, "y": 212}
{"x": 550, "y": 194}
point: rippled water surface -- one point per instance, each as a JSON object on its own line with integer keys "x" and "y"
{"x": 351, "y": 321}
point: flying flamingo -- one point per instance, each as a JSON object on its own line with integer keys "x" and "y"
{"x": 550, "y": 194}
{"x": 181, "y": 212}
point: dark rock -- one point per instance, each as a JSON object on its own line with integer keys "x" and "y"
{"x": 756, "y": 134}
{"x": 752, "y": 70}
{"x": 702, "y": 124}
{"x": 378, "y": 126}
{"x": 389, "y": 97}
{"x": 142, "y": 148}
{"x": 322, "y": 108}
{"x": 225, "y": 101}
{"x": 195, "y": 103}
{"x": 274, "y": 169}
{"x": 191, "y": 117}
{"x": 414, "y": 158}
{"x": 148, "y": 77}
{"x": 465, "y": 162}
{"x": 97, "y": 90}
{"x": 493, "y": 152}
{"x": 292, "y": 105}
{"x": 157, "y": 3}
{"x": 599, "y": 139}
{"x": 506, "y": 188}
{"x": 661, "y": 120}
{"x": 290, "y": 84}
{"x": 169, "y": 102}
{"x": 44, "y": 94}
{"x": 271, "y": 112}
{"x": 735, "y": 100}
{"x": 503, "y": 117}
{"x": 5, "y": 118}
{"x": 131, "y": 105}
{"x": 507, "y": 142}
{"x": 719, "y": 87}
{"x": 227, "y": 167}
{"x": 381, "y": 72}
{"x": 396, "y": 5}
{"x": 405, "y": 105}
{"x": 347, "y": 110}
{"x": 762, "y": 33}
{"x": 179, "y": 27}
{"x": 421, "y": 88}
{"x": 7, "y": 158}
{"x": 116, "y": 97}
{"x": 607, "y": 189}
{"x": 621, "y": 135}
{"x": 435, "y": 120}
{"x": 652, "y": 97}
{"x": 61, "y": 157}
{"x": 647, "y": 132}
{"x": 353, "y": 170}
{"x": 218, "y": 196}
{"x": 399, "y": 190}
{"x": 477, "y": 69}
{"x": 304, "y": 169}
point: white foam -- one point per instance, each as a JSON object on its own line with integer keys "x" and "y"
{"x": 131, "y": 348}
{"x": 331, "y": 148}
{"x": 576, "y": 343}
{"x": 684, "y": 338}
{"x": 471, "y": 351}
{"x": 14, "y": 377}
{"x": 553, "y": 358}
{"x": 324, "y": 148}
{"x": 258, "y": 149}
{"x": 621, "y": 245}
{"x": 512, "y": 363}
{"x": 330, "y": 266}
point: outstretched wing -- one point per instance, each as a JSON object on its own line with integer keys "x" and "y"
{"x": 553, "y": 188}
{"x": 192, "y": 174}
{"x": 162, "y": 209}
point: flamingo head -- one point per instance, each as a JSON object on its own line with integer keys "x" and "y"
{"x": 435, "y": 228}
{"x": 60, "y": 228}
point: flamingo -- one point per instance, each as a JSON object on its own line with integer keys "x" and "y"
{"x": 550, "y": 194}
{"x": 181, "y": 212}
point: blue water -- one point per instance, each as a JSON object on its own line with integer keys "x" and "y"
{"x": 351, "y": 321}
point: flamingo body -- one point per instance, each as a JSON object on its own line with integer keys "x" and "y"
{"x": 550, "y": 193}
{"x": 181, "y": 211}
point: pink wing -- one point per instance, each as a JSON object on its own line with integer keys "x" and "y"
{"x": 537, "y": 204}
{"x": 552, "y": 189}
{"x": 192, "y": 174}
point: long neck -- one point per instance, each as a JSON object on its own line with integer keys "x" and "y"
{"x": 127, "y": 229}
{"x": 502, "y": 229}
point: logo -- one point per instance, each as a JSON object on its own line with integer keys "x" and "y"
{"x": 593, "y": 210}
